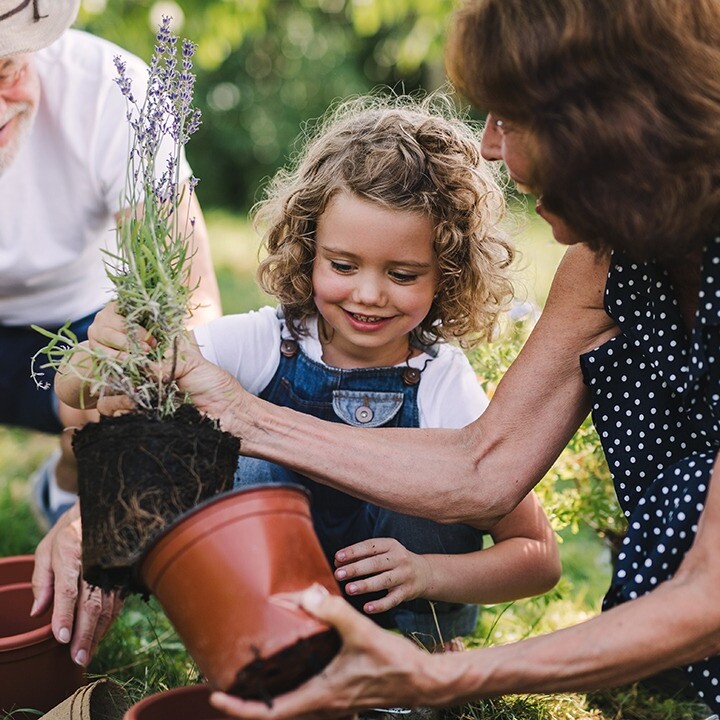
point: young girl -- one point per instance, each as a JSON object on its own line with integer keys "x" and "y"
{"x": 383, "y": 244}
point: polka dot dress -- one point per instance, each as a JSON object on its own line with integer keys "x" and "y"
{"x": 656, "y": 406}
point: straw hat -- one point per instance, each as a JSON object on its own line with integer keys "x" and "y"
{"x": 28, "y": 25}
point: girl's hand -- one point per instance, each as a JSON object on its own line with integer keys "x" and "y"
{"x": 109, "y": 332}
{"x": 211, "y": 389}
{"x": 383, "y": 564}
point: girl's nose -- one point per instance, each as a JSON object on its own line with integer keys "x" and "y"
{"x": 491, "y": 142}
{"x": 369, "y": 291}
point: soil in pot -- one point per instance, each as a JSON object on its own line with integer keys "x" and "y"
{"x": 223, "y": 574}
{"x": 136, "y": 475}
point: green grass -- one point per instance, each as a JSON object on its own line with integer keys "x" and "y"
{"x": 143, "y": 652}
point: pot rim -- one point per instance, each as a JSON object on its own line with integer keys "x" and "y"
{"x": 201, "y": 506}
{"x": 12, "y": 559}
{"x": 158, "y": 697}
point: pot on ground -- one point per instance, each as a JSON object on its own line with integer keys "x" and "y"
{"x": 136, "y": 475}
{"x": 189, "y": 703}
{"x": 36, "y": 671}
{"x": 221, "y": 573}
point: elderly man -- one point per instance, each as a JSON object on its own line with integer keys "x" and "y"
{"x": 63, "y": 159}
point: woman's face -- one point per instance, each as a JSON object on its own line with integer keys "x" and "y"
{"x": 511, "y": 143}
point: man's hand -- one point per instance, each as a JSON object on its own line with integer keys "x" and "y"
{"x": 81, "y": 614}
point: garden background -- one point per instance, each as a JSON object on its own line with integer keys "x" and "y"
{"x": 264, "y": 68}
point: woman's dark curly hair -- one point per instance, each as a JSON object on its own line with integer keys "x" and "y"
{"x": 405, "y": 153}
{"x": 622, "y": 102}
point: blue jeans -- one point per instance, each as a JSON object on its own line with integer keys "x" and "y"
{"x": 23, "y": 403}
{"x": 369, "y": 397}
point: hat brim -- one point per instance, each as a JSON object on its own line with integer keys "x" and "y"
{"x": 29, "y": 25}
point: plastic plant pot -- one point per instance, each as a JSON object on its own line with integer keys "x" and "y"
{"x": 188, "y": 703}
{"x": 222, "y": 574}
{"x": 16, "y": 569}
{"x": 36, "y": 672}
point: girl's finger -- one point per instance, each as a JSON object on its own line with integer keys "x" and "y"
{"x": 364, "y": 549}
{"x": 383, "y": 604}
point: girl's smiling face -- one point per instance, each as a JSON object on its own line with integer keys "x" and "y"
{"x": 374, "y": 279}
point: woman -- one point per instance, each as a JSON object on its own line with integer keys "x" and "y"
{"x": 609, "y": 112}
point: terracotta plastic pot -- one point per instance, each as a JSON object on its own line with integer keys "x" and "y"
{"x": 188, "y": 703}
{"x": 35, "y": 670}
{"x": 220, "y": 574}
{"x": 16, "y": 569}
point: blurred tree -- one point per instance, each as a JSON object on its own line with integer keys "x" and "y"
{"x": 266, "y": 66}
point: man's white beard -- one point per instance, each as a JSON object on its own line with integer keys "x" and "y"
{"x": 25, "y": 115}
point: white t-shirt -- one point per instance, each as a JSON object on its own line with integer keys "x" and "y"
{"x": 248, "y": 347}
{"x": 59, "y": 197}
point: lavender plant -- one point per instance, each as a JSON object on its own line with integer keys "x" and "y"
{"x": 150, "y": 270}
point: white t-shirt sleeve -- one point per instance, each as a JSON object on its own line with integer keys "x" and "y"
{"x": 246, "y": 345}
{"x": 450, "y": 395}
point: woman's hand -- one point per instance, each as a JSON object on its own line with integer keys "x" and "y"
{"x": 81, "y": 615}
{"x": 375, "y": 668}
{"x": 383, "y": 564}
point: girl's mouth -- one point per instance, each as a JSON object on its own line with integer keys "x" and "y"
{"x": 366, "y": 321}
{"x": 367, "y": 318}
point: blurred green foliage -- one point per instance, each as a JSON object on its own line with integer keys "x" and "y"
{"x": 265, "y": 67}
{"x": 577, "y": 493}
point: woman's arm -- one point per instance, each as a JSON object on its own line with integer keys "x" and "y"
{"x": 676, "y": 624}
{"x": 535, "y": 409}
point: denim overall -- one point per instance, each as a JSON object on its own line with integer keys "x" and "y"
{"x": 365, "y": 397}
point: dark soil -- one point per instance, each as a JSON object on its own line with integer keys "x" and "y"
{"x": 264, "y": 679}
{"x": 136, "y": 475}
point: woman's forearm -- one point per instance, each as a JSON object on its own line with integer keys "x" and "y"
{"x": 418, "y": 472}
{"x": 475, "y": 475}
{"x": 675, "y": 625}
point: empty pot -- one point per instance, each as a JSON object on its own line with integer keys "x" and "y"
{"x": 36, "y": 671}
{"x": 189, "y": 703}
{"x": 220, "y": 573}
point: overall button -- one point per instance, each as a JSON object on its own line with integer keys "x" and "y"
{"x": 411, "y": 376}
{"x": 366, "y": 408}
{"x": 364, "y": 414}
{"x": 288, "y": 348}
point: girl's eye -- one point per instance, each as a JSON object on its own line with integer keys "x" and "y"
{"x": 402, "y": 277}
{"x": 341, "y": 267}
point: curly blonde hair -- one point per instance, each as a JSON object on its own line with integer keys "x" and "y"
{"x": 406, "y": 153}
